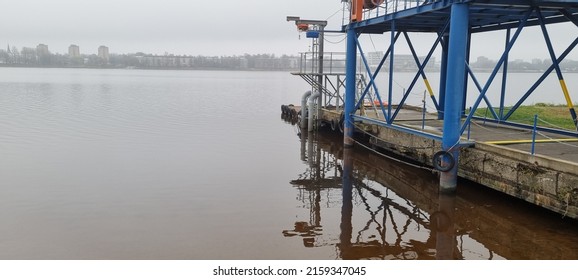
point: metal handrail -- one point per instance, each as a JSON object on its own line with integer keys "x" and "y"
{"x": 390, "y": 7}
{"x": 333, "y": 63}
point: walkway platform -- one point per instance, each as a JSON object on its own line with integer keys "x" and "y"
{"x": 485, "y": 15}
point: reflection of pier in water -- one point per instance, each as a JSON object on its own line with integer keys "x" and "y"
{"x": 393, "y": 212}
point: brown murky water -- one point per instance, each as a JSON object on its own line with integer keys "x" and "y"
{"x": 129, "y": 164}
{"x": 390, "y": 211}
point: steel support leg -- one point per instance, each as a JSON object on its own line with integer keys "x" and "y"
{"x": 350, "y": 74}
{"x": 455, "y": 88}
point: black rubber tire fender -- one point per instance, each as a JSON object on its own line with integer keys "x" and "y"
{"x": 437, "y": 161}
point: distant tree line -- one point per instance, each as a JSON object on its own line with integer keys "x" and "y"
{"x": 31, "y": 57}
{"x": 519, "y": 65}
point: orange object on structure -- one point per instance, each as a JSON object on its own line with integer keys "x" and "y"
{"x": 303, "y": 26}
{"x": 377, "y": 103}
{"x": 357, "y": 7}
{"x": 356, "y": 10}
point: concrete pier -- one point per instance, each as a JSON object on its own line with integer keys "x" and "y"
{"x": 499, "y": 156}
{"x": 539, "y": 168}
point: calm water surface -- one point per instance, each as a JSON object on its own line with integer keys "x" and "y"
{"x": 131, "y": 164}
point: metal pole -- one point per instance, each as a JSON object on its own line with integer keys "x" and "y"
{"x": 423, "y": 111}
{"x": 310, "y": 150}
{"x": 468, "y": 52}
{"x": 350, "y": 73}
{"x": 455, "y": 88}
{"x": 534, "y": 134}
{"x": 304, "y": 145}
{"x": 391, "y": 66}
{"x": 320, "y": 70}
{"x": 470, "y": 127}
{"x": 558, "y": 71}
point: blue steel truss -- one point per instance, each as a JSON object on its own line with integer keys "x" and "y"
{"x": 484, "y": 15}
{"x": 454, "y": 22}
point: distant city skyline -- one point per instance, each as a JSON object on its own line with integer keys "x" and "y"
{"x": 104, "y": 52}
{"x": 42, "y": 57}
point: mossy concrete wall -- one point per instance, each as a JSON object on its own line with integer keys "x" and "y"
{"x": 547, "y": 182}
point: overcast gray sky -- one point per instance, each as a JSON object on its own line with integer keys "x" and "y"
{"x": 215, "y": 27}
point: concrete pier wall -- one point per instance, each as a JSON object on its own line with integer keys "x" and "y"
{"x": 547, "y": 182}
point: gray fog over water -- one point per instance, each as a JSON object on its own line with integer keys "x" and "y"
{"x": 134, "y": 164}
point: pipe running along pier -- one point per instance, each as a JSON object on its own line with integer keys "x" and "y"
{"x": 537, "y": 163}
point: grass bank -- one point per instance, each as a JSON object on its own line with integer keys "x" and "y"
{"x": 549, "y": 115}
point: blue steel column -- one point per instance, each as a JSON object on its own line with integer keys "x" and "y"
{"x": 350, "y": 73}
{"x": 468, "y": 52}
{"x": 391, "y": 65}
{"x": 455, "y": 88}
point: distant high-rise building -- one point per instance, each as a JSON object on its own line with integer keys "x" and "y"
{"x": 42, "y": 50}
{"x": 43, "y": 54}
{"x": 74, "y": 51}
{"x": 103, "y": 53}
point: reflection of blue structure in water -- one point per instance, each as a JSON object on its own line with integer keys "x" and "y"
{"x": 327, "y": 174}
{"x": 389, "y": 212}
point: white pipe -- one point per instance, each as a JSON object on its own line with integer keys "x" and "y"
{"x": 311, "y": 110}
{"x": 304, "y": 109}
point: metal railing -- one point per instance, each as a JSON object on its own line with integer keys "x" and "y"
{"x": 333, "y": 63}
{"x": 392, "y": 6}
{"x": 333, "y": 78}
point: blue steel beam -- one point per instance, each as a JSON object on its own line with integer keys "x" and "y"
{"x": 372, "y": 82}
{"x": 421, "y": 72}
{"x": 391, "y": 60}
{"x": 374, "y": 75}
{"x": 471, "y": 73}
{"x": 540, "y": 80}
{"x": 570, "y": 17}
{"x": 459, "y": 30}
{"x": 557, "y": 67}
{"x": 504, "y": 78}
{"x": 406, "y": 13}
{"x": 425, "y": 62}
{"x": 488, "y": 15}
{"x": 466, "y": 80}
{"x": 378, "y": 69}
{"x": 521, "y": 26}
